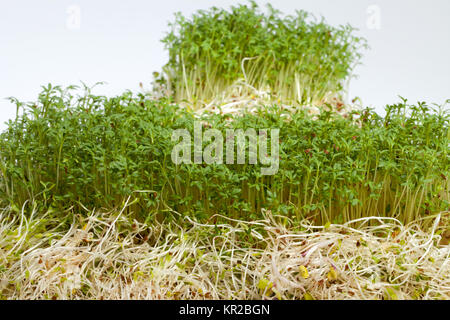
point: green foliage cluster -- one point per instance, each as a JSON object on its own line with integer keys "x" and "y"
{"x": 301, "y": 59}
{"x": 69, "y": 149}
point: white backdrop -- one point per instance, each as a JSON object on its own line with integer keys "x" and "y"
{"x": 63, "y": 42}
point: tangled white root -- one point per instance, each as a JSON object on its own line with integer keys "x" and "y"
{"x": 109, "y": 256}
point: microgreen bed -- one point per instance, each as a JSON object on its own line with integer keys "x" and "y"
{"x": 67, "y": 150}
{"x": 110, "y": 256}
{"x": 94, "y": 207}
{"x": 297, "y": 58}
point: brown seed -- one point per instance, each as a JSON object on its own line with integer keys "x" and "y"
{"x": 445, "y": 241}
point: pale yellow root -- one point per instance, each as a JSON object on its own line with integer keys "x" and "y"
{"x": 109, "y": 256}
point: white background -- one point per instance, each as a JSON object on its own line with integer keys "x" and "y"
{"x": 119, "y": 42}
